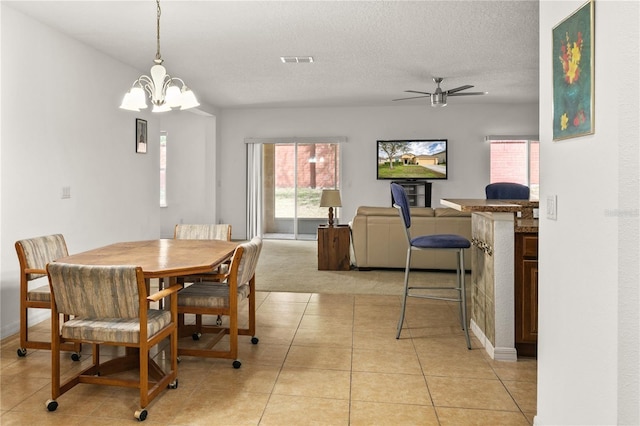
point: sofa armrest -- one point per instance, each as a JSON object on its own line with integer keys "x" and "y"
{"x": 358, "y": 228}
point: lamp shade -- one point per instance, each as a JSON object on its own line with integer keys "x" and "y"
{"x": 330, "y": 198}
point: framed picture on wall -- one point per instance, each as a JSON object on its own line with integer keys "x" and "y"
{"x": 141, "y": 136}
{"x": 573, "y": 79}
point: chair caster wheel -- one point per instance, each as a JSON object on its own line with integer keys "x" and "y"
{"x": 196, "y": 335}
{"x": 22, "y": 352}
{"x": 219, "y": 321}
{"x": 141, "y": 415}
{"x": 75, "y": 356}
{"x": 51, "y": 404}
{"x": 173, "y": 385}
{"x": 236, "y": 364}
{"x": 255, "y": 340}
{"x": 178, "y": 359}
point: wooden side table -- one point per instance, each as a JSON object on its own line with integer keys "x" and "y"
{"x": 333, "y": 248}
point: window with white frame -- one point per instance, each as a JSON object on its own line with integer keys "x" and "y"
{"x": 516, "y": 159}
{"x": 163, "y": 169}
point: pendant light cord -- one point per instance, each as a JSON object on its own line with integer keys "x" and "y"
{"x": 158, "y": 56}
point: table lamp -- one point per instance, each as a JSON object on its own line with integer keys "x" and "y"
{"x": 330, "y": 198}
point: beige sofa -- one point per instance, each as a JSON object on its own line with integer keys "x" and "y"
{"x": 379, "y": 241}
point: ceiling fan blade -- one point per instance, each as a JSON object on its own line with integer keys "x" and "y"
{"x": 415, "y": 91}
{"x": 468, "y": 93}
{"x": 413, "y": 97}
{"x": 457, "y": 89}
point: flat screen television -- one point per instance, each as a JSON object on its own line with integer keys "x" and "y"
{"x": 412, "y": 159}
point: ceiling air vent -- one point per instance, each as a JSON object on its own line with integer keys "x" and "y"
{"x": 296, "y": 59}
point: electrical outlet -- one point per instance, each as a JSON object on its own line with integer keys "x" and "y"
{"x": 552, "y": 207}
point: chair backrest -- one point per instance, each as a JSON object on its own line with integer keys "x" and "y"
{"x": 249, "y": 253}
{"x": 97, "y": 291}
{"x": 35, "y": 253}
{"x": 203, "y": 232}
{"x": 401, "y": 202}
{"x": 506, "y": 191}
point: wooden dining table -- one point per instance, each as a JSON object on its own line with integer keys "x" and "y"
{"x": 163, "y": 258}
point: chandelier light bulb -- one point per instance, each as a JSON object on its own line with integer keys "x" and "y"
{"x": 174, "y": 96}
{"x": 188, "y": 98}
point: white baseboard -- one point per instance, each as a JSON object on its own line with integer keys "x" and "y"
{"x": 36, "y": 316}
{"x": 498, "y": 354}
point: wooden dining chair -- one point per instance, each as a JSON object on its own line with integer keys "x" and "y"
{"x": 109, "y": 305}
{"x": 222, "y": 297}
{"x": 33, "y": 256}
{"x": 221, "y": 231}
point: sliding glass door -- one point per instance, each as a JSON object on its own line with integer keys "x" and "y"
{"x": 293, "y": 177}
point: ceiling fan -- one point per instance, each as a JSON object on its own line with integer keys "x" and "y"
{"x": 439, "y": 97}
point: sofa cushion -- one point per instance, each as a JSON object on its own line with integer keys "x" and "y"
{"x": 392, "y": 211}
{"x": 379, "y": 239}
{"x": 447, "y": 212}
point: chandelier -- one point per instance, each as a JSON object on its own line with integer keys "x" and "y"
{"x": 165, "y": 92}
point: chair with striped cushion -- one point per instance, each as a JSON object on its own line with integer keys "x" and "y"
{"x": 110, "y": 306}
{"x": 222, "y": 298}
{"x": 452, "y": 242}
{"x": 33, "y": 255}
{"x": 221, "y": 231}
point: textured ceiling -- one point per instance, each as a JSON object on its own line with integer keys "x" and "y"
{"x": 365, "y": 52}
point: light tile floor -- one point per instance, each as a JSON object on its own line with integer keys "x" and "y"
{"x": 321, "y": 359}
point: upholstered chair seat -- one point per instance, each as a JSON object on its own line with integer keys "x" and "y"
{"x": 39, "y": 294}
{"x": 110, "y": 306}
{"x": 33, "y": 256}
{"x": 114, "y": 329}
{"x": 210, "y": 295}
{"x": 222, "y": 297}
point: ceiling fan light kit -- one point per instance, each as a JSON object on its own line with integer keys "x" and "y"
{"x": 439, "y": 96}
{"x": 165, "y": 92}
{"x": 439, "y": 99}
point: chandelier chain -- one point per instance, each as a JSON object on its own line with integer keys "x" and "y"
{"x": 158, "y": 56}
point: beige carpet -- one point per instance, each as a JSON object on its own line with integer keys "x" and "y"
{"x": 292, "y": 266}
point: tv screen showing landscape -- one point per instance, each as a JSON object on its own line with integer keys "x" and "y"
{"x": 424, "y": 159}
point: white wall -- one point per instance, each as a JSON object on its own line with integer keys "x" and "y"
{"x": 464, "y": 125}
{"x": 61, "y": 126}
{"x": 190, "y": 170}
{"x": 588, "y": 352}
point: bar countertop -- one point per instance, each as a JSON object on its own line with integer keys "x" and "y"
{"x": 525, "y": 224}
{"x": 482, "y": 205}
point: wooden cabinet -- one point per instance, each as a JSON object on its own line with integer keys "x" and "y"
{"x": 333, "y": 248}
{"x": 418, "y": 192}
{"x": 526, "y": 293}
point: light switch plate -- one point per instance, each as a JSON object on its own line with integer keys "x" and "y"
{"x": 66, "y": 192}
{"x": 552, "y": 207}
